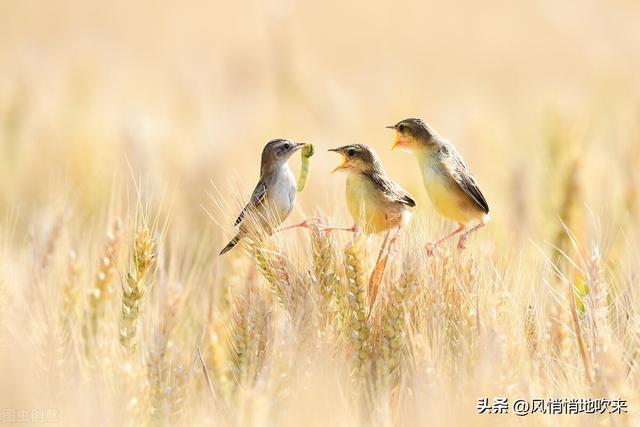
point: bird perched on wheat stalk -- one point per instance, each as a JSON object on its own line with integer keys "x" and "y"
{"x": 375, "y": 202}
{"x": 451, "y": 187}
{"x": 274, "y": 196}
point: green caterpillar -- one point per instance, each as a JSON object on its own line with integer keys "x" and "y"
{"x": 306, "y": 152}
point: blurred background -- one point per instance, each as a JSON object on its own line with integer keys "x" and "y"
{"x": 113, "y": 108}
{"x": 181, "y": 97}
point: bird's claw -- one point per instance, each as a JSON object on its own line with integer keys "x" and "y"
{"x": 316, "y": 224}
{"x": 462, "y": 242}
{"x": 314, "y": 221}
{"x": 430, "y": 248}
{"x": 328, "y": 230}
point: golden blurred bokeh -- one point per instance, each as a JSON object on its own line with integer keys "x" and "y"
{"x": 110, "y": 111}
{"x": 189, "y": 92}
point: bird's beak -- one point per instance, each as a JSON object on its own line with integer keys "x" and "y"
{"x": 398, "y": 136}
{"x": 298, "y": 146}
{"x": 397, "y": 141}
{"x": 341, "y": 165}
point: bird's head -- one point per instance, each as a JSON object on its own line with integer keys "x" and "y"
{"x": 358, "y": 158}
{"x": 413, "y": 134}
{"x": 277, "y": 152}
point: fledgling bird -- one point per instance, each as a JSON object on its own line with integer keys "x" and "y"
{"x": 451, "y": 187}
{"x": 274, "y": 196}
{"x": 375, "y": 202}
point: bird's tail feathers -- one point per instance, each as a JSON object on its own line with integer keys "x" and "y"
{"x": 231, "y": 244}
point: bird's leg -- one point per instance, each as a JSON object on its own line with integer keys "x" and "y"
{"x": 378, "y": 271}
{"x": 352, "y": 229}
{"x": 431, "y": 246}
{"x": 462, "y": 243}
{"x": 307, "y": 223}
{"x": 381, "y": 264}
{"x": 384, "y": 244}
{"x": 394, "y": 239}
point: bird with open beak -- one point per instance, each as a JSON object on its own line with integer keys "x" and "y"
{"x": 375, "y": 202}
{"x": 451, "y": 187}
{"x": 274, "y": 196}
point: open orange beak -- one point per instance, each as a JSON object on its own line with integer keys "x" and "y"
{"x": 341, "y": 165}
{"x": 337, "y": 168}
{"x": 398, "y": 139}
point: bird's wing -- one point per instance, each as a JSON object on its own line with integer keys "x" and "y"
{"x": 465, "y": 180}
{"x": 257, "y": 198}
{"x": 392, "y": 191}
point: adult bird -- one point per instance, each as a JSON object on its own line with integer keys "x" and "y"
{"x": 451, "y": 187}
{"x": 274, "y": 196}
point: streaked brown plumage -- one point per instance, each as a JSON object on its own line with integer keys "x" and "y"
{"x": 375, "y": 202}
{"x": 274, "y": 196}
{"x": 450, "y": 185}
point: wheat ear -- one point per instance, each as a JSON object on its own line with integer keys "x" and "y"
{"x": 247, "y": 337}
{"x": 325, "y": 276}
{"x": 394, "y": 321}
{"x": 358, "y": 326}
{"x": 101, "y": 291}
{"x": 136, "y": 285}
{"x": 273, "y": 267}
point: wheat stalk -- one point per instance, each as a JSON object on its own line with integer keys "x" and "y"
{"x": 248, "y": 337}
{"x": 219, "y": 315}
{"x": 608, "y": 370}
{"x": 101, "y": 291}
{"x": 135, "y": 285}
{"x": 560, "y": 339}
{"x": 53, "y": 239}
{"x": 394, "y": 324}
{"x": 358, "y": 325}
{"x": 323, "y": 264}
{"x": 178, "y": 393}
{"x": 70, "y": 299}
{"x": 159, "y": 372}
{"x": 531, "y": 330}
{"x": 274, "y": 269}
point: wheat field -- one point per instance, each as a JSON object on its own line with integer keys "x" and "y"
{"x": 130, "y": 137}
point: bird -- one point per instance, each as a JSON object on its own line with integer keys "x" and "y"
{"x": 273, "y": 197}
{"x": 452, "y": 188}
{"x": 375, "y": 202}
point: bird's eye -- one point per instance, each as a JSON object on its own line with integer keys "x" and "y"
{"x": 402, "y": 127}
{"x": 351, "y": 152}
{"x": 287, "y": 146}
